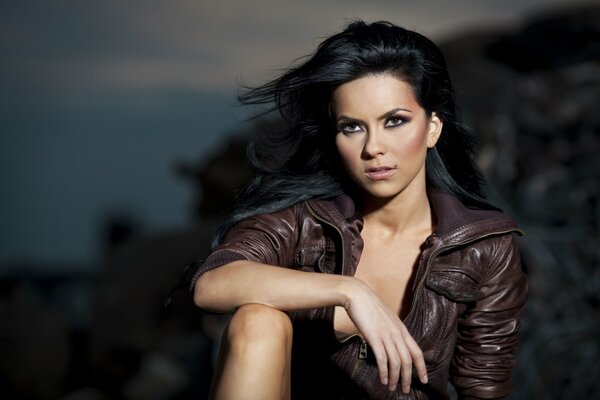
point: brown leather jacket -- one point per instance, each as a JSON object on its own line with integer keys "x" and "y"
{"x": 467, "y": 298}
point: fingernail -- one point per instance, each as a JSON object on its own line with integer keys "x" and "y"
{"x": 392, "y": 388}
{"x": 424, "y": 378}
{"x": 384, "y": 381}
{"x": 406, "y": 389}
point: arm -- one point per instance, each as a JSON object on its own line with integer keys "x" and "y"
{"x": 247, "y": 269}
{"x": 242, "y": 282}
{"x": 488, "y": 331}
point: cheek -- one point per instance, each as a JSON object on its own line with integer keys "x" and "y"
{"x": 413, "y": 145}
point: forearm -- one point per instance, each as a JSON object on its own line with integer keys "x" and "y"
{"x": 244, "y": 282}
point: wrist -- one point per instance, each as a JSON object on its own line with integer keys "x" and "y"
{"x": 350, "y": 289}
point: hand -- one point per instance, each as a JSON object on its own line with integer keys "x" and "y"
{"x": 394, "y": 348}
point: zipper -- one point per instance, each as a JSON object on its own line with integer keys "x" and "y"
{"x": 317, "y": 216}
{"x": 363, "y": 350}
{"x": 359, "y": 362}
{"x": 437, "y": 251}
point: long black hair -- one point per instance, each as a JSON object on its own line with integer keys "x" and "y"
{"x": 302, "y": 96}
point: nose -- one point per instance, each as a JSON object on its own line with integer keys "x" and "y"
{"x": 374, "y": 145}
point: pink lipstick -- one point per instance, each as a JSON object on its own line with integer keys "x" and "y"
{"x": 379, "y": 173}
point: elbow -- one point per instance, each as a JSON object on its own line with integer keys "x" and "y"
{"x": 215, "y": 290}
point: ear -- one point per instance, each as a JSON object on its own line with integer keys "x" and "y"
{"x": 435, "y": 130}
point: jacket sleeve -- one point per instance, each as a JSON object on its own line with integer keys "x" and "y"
{"x": 268, "y": 239}
{"x": 488, "y": 329}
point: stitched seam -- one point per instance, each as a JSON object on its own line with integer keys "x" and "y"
{"x": 455, "y": 280}
{"x": 498, "y": 253}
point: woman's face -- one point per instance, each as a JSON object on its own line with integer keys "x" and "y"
{"x": 383, "y": 134}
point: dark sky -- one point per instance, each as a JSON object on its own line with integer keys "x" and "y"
{"x": 98, "y": 100}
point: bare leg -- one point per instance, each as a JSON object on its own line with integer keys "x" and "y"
{"x": 255, "y": 355}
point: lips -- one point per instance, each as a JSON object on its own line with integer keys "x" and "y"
{"x": 380, "y": 173}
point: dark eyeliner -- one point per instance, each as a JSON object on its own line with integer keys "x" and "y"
{"x": 402, "y": 121}
{"x": 342, "y": 125}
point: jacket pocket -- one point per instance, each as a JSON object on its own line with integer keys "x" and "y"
{"x": 456, "y": 286}
{"x": 315, "y": 259}
{"x": 308, "y": 256}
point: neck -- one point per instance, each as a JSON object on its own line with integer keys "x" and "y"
{"x": 407, "y": 212}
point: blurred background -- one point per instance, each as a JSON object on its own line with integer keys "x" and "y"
{"x": 121, "y": 142}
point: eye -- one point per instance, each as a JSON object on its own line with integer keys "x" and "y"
{"x": 349, "y": 127}
{"x": 394, "y": 121}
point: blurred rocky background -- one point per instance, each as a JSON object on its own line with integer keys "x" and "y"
{"x": 532, "y": 96}
{"x": 530, "y": 92}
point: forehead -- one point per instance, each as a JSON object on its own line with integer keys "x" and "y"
{"x": 377, "y": 93}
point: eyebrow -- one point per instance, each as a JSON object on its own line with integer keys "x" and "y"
{"x": 381, "y": 117}
{"x": 392, "y": 112}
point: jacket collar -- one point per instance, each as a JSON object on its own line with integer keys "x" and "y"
{"x": 455, "y": 222}
{"x": 458, "y": 224}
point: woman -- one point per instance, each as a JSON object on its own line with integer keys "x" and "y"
{"x": 397, "y": 275}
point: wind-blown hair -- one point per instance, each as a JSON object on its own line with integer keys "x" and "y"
{"x": 302, "y": 96}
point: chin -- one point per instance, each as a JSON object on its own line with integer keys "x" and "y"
{"x": 383, "y": 194}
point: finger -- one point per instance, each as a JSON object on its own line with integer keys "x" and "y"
{"x": 406, "y": 373}
{"x": 417, "y": 358}
{"x": 381, "y": 358}
{"x": 393, "y": 367}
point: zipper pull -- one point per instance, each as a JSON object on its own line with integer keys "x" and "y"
{"x": 362, "y": 352}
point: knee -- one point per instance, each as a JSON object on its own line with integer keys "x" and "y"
{"x": 259, "y": 325}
